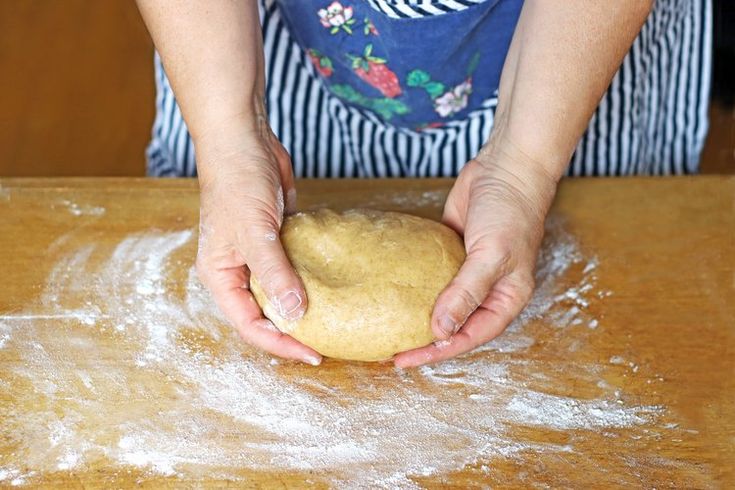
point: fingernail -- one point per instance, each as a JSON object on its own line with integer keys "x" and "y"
{"x": 448, "y": 325}
{"x": 288, "y": 306}
{"x": 313, "y": 360}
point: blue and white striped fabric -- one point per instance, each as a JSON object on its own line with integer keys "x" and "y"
{"x": 412, "y": 9}
{"x": 652, "y": 120}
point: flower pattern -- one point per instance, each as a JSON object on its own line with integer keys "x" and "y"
{"x": 322, "y": 64}
{"x": 369, "y": 28}
{"x": 454, "y": 100}
{"x": 336, "y": 17}
{"x": 374, "y": 70}
{"x": 446, "y": 102}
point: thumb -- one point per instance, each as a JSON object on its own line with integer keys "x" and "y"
{"x": 267, "y": 261}
{"x": 288, "y": 184}
{"x": 468, "y": 290}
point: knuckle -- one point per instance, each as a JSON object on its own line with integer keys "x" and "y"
{"x": 526, "y": 286}
{"x": 502, "y": 257}
{"x": 252, "y": 333}
{"x": 465, "y": 303}
{"x": 500, "y": 247}
{"x": 255, "y": 227}
{"x": 495, "y": 252}
{"x": 271, "y": 268}
{"x": 273, "y": 276}
{"x": 244, "y": 333}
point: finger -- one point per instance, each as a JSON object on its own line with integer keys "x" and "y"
{"x": 289, "y": 187}
{"x": 290, "y": 206}
{"x": 265, "y": 336}
{"x": 264, "y": 254}
{"x": 469, "y": 288}
{"x": 229, "y": 289}
{"x": 287, "y": 179}
{"x": 482, "y": 326}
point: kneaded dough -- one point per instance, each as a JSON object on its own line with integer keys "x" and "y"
{"x": 371, "y": 279}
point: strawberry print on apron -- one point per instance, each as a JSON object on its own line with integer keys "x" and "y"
{"x": 414, "y": 72}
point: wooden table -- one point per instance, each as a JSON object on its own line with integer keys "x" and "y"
{"x": 659, "y": 333}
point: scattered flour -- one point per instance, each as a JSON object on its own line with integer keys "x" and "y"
{"x": 410, "y": 199}
{"x": 82, "y": 209}
{"x": 616, "y": 360}
{"x": 564, "y": 413}
{"x": 193, "y": 402}
{"x": 404, "y": 200}
{"x": 4, "y": 336}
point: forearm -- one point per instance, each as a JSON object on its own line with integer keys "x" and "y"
{"x": 560, "y": 62}
{"x": 213, "y": 56}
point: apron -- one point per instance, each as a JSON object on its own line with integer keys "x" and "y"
{"x": 411, "y": 72}
{"x": 408, "y": 88}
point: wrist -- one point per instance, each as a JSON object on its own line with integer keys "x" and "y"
{"x": 224, "y": 130}
{"x": 231, "y": 142}
{"x": 534, "y": 178}
{"x": 521, "y": 136}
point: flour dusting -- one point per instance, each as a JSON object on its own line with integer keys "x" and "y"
{"x": 408, "y": 199}
{"x": 176, "y": 393}
{"x": 82, "y": 209}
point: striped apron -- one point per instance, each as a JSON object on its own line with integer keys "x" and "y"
{"x": 651, "y": 120}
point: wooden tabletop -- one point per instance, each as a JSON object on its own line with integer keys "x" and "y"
{"x": 116, "y": 371}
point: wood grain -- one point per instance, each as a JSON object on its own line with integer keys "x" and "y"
{"x": 666, "y": 248}
{"x": 77, "y": 88}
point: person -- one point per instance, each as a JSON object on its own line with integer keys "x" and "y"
{"x": 504, "y": 94}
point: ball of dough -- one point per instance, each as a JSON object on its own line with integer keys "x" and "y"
{"x": 371, "y": 280}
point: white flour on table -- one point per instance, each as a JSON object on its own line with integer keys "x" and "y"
{"x": 175, "y": 393}
{"x": 81, "y": 209}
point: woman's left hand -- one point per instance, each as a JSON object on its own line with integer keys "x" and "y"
{"x": 499, "y": 204}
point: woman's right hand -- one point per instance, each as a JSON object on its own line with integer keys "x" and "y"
{"x": 246, "y": 184}
{"x": 213, "y": 56}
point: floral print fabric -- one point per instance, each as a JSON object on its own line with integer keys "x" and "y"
{"x": 414, "y": 73}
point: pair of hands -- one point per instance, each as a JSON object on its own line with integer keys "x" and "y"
{"x": 498, "y": 203}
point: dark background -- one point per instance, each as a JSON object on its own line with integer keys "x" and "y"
{"x": 77, "y": 91}
{"x": 723, "y": 83}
